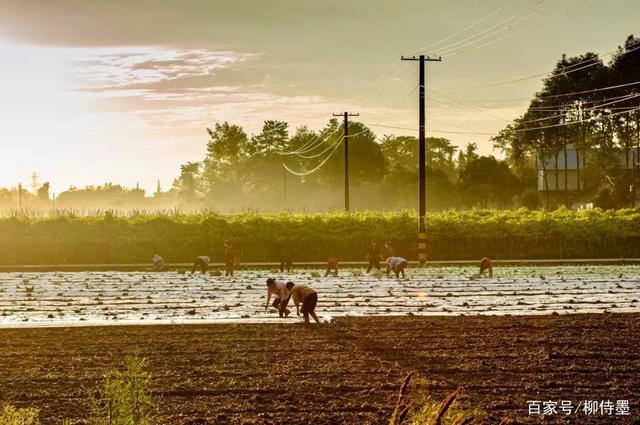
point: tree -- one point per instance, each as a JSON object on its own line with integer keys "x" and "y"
{"x": 604, "y": 199}
{"x": 187, "y": 183}
{"x": 403, "y": 150}
{"x": 469, "y": 154}
{"x": 43, "y": 192}
{"x": 485, "y": 181}
{"x": 273, "y": 138}
{"x": 401, "y": 180}
{"x": 530, "y": 199}
{"x": 227, "y": 148}
{"x": 624, "y": 70}
{"x": 366, "y": 161}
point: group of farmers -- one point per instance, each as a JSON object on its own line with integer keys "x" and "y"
{"x": 304, "y": 295}
{"x": 374, "y": 257}
{"x": 301, "y": 294}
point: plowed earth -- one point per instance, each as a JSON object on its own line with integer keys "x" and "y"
{"x": 347, "y": 371}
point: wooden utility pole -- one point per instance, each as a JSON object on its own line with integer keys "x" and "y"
{"x": 34, "y": 183}
{"x": 346, "y": 116}
{"x": 422, "y": 227}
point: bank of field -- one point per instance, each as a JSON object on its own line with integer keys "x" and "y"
{"x": 510, "y": 234}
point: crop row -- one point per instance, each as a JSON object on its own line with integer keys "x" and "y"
{"x": 502, "y": 234}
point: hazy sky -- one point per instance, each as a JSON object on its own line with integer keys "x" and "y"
{"x": 122, "y": 91}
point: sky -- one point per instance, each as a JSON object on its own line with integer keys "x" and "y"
{"x": 123, "y": 91}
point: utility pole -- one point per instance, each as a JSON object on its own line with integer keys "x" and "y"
{"x": 346, "y": 116}
{"x": 20, "y": 196}
{"x": 34, "y": 182}
{"x": 422, "y": 227}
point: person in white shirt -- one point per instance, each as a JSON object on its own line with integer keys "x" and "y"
{"x": 396, "y": 265}
{"x": 202, "y": 262}
{"x": 282, "y": 295}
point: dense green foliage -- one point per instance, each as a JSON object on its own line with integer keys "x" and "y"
{"x": 518, "y": 234}
{"x": 592, "y": 106}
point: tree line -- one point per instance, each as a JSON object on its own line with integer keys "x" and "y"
{"x": 584, "y": 104}
{"x": 242, "y": 172}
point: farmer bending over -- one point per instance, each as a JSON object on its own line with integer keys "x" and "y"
{"x": 396, "y": 265}
{"x": 486, "y": 267}
{"x": 373, "y": 256}
{"x": 229, "y": 258}
{"x": 308, "y": 297}
{"x": 202, "y": 262}
{"x": 286, "y": 262}
{"x": 158, "y": 263}
{"x": 282, "y": 295}
{"x": 332, "y": 264}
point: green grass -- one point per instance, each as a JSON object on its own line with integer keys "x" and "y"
{"x": 124, "y": 398}
{"x": 11, "y": 415}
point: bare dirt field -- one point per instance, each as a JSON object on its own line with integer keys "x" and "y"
{"x": 347, "y": 371}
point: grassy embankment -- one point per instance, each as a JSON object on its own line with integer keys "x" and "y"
{"x": 453, "y": 235}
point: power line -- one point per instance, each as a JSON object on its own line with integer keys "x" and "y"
{"x": 594, "y": 108}
{"x": 580, "y": 102}
{"x": 491, "y": 31}
{"x": 546, "y": 97}
{"x": 430, "y": 130}
{"x": 306, "y": 173}
{"x": 564, "y": 124}
{"x": 334, "y": 146}
{"x": 591, "y": 91}
{"x": 463, "y": 30}
{"x": 470, "y": 48}
{"x": 568, "y": 123}
{"x": 324, "y": 151}
{"x": 569, "y": 69}
{"x": 309, "y": 145}
{"x": 468, "y": 107}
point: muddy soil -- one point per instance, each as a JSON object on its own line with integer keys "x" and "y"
{"x": 347, "y": 371}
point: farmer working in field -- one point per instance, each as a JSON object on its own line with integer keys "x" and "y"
{"x": 282, "y": 295}
{"x": 229, "y": 258}
{"x": 332, "y": 264}
{"x": 158, "y": 263}
{"x": 373, "y": 256}
{"x": 308, "y": 297}
{"x": 486, "y": 267}
{"x": 396, "y": 265}
{"x": 202, "y": 262}
{"x": 286, "y": 262}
